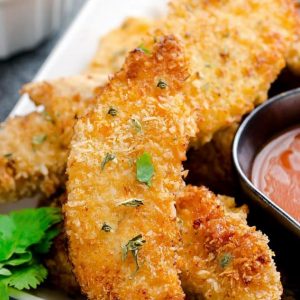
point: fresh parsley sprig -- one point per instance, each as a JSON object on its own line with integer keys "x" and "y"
{"x": 24, "y": 236}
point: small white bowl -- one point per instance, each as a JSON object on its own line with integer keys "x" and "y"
{"x": 25, "y": 23}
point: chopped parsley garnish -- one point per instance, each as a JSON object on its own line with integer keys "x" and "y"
{"x": 161, "y": 84}
{"x": 108, "y": 157}
{"x": 112, "y": 111}
{"x": 25, "y": 236}
{"x": 137, "y": 125}
{"x": 142, "y": 48}
{"x": 144, "y": 168}
{"x": 106, "y": 227}
{"x": 134, "y": 245}
{"x": 225, "y": 260}
{"x": 47, "y": 116}
{"x": 7, "y": 155}
{"x": 39, "y": 139}
{"x": 132, "y": 202}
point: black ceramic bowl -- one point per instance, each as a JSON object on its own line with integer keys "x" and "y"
{"x": 272, "y": 117}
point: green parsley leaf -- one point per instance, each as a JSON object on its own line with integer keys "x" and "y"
{"x": 18, "y": 259}
{"x": 39, "y": 139}
{"x": 225, "y": 260}
{"x": 45, "y": 244}
{"x": 4, "y": 291}
{"x": 106, "y": 227}
{"x": 134, "y": 245}
{"x": 112, "y": 111}
{"x": 108, "y": 157}
{"x": 161, "y": 84}
{"x": 7, "y": 240}
{"x": 32, "y": 224}
{"x": 132, "y": 202}
{"x": 142, "y": 48}
{"x": 26, "y": 277}
{"x": 144, "y": 168}
{"x": 137, "y": 125}
{"x": 5, "y": 272}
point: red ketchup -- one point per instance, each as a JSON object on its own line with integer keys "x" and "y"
{"x": 276, "y": 171}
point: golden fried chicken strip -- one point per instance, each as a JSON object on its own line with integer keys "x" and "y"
{"x": 66, "y": 99}
{"x": 114, "y": 46}
{"x": 32, "y": 157}
{"x": 234, "y": 57}
{"x": 293, "y": 56}
{"x": 221, "y": 256}
{"x": 138, "y": 126}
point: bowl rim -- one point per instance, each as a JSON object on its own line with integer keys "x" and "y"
{"x": 241, "y": 173}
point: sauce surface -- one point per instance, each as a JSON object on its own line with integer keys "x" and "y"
{"x": 276, "y": 171}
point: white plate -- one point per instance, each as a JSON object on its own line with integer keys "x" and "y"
{"x": 73, "y": 53}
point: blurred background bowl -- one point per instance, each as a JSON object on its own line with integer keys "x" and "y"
{"x": 269, "y": 119}
{"x": 26, "y": 23}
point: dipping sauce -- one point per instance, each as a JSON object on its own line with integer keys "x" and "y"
{"x": 276, "y": 171}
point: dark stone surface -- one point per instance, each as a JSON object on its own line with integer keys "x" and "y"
{"x": 21, "y": 68}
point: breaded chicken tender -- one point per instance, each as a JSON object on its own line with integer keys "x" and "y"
{"x": 221, "y": 256}
{"x": 32, "y": 157}
{"x": 233, "y": 57}
{"x": 66, "y": 99}
{"x": 124, "y": 168}
{"x": 293, "y": 56}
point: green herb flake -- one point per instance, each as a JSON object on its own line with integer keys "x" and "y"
{"x": 225, "y": 260}
{"x": 7, "y": 155}
{"x": 46, "y": 116}
{"x": 137, "y": 125}
{"x": 162, "y": 84}
{"x": 108, "y": 157}
{"x": 39, "y": 139}
{"x": 132, "y": 202}
{"x": 144, "y": 168}
{"x": 112, "y": 111}
{"x": 105, "y": 227}
{"x": 143, "y": 49}
{"x": 134, "y": 245}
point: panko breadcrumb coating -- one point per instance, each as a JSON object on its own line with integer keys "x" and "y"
{"x": 233, "y": 57}
{"x": 293, "y": 56}
{"x": 66, "y": 99}
{"x": 32, "y": 157}
{"x": 137, "y": 120}
{"x": 221, "y": 256}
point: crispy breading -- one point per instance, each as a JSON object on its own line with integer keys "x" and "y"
{"x": 32, "y": 157}
{"x": 293, "y": 56}
{"x": 233, "y": 57}
{"x": 211, "y": 164}
{"x": 148, "y": 119}
{"x": 66, "y": 99}
{"x": 114, "y": 46}
{"x": 221, "y": 256}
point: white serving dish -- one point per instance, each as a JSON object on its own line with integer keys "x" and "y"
{"x": 25, "y": 23}
{"x": 71, "y": 56}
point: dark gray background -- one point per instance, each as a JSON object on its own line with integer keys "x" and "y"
{"x": 21, "y": 68}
